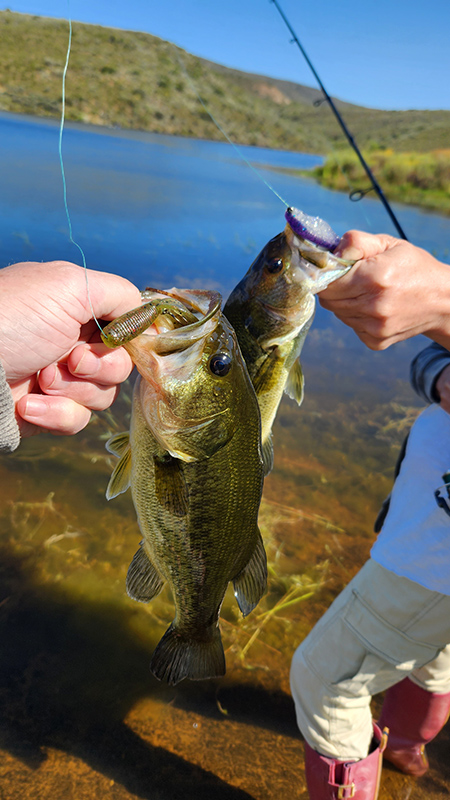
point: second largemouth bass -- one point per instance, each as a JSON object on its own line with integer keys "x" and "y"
{"x": 193, "y": 460}
{"x": 272, "y": 309}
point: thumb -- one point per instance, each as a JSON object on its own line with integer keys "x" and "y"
{"x": 357, "y": 245}
{"x": 111, "y": 295}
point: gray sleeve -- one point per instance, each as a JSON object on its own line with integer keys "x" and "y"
{"x": 9, "y": 430}
{"x": 425, "y": 370}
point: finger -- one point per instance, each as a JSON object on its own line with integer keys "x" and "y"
{"x": 342, "y": 307}
{"x": 99, "y": 364}
{"x": 356, "y": 245}
{"x": 59, "y": 415}
{"x": 372, "y": 270}
{"x": 376, "y": 333}
{"x": 58, "y": 381}
{"x": 110, "y": 295}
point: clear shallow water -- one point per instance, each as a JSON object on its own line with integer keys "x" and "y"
{"x": 80, "y": 714}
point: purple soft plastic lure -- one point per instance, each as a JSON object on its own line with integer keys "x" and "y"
{"x": 314, "y": 229}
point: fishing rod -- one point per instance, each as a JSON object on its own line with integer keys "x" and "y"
{"x": 376, "y": 186}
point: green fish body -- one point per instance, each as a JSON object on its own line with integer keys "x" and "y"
{"x": 193, "y": 461}
{"x": 271, "y": 311}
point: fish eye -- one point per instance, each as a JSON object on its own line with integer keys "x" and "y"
{"x": 220, "y": 364}
{"x": 274, "y": 265}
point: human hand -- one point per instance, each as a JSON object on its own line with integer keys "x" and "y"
{"x": 442, "y": 388}
{"x": 50, "y": 347}
{"x": 394, "y": 291}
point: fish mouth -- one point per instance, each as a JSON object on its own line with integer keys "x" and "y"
{"x": 163, "y": 349}
{"x": 167, "y": 359}
{"x": 204, "y": 304}
{"x": 315, "y": 265}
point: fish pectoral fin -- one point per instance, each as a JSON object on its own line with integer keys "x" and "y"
{"x": 264, "y": 377}
{"x": 250, "y": 584}
{"x": 118, "y": 444}
{"x": 217, "y": 431}
{"x": 267, "y": 454}
{"x": 295, "y": 384}
{"x": 121, "y": 476}
{"x": 170, "y": 486}
{"x": 179, "y": 655}
{"x": 143, "y": 579}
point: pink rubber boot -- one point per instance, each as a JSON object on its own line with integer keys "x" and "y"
{"x": 414, "y": 717}
{"x": 330, "y": 779}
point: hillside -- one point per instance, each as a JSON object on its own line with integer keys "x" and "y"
{"x": 134, "y": 80}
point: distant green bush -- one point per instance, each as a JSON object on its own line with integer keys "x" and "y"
{"x": 421, "y": 179}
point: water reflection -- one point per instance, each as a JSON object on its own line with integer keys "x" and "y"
{"x": 81, "y": 713}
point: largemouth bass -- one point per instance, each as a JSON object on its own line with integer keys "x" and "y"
{"x": 272, "y": 309}
{"x": 193, "y": 460}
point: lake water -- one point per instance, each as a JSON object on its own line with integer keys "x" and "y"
{"x": 81, "y": 715}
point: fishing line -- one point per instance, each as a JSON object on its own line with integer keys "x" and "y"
{"x": 223, "y": 132}
{"x": 63, "y": 174}
{"x": 347, "y": 133}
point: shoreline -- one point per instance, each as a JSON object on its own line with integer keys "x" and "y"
{"x": 350, "y": 177}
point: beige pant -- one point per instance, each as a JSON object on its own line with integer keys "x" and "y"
{"x": 380, "y": 629}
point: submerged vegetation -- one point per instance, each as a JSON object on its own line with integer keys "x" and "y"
{"x": 134, "y": 80}
{"x": 80, "y": 711}
{"x": 421, "y": 179}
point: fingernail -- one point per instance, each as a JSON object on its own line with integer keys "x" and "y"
{"x": 349, "y": 253}
{"x": 50, "y": 378}
{"x": 36, "y": 406}
{"x": 87, "y": 365}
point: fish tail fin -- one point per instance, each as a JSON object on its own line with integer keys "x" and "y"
{"x": 178, "y": 656}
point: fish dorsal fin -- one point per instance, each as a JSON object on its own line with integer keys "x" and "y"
{"x": 121, "y": 476}
{"x": 170, "y": 485}
{"x": 295, "y": 384}
{"x": 250, "y": 584}
{"x": 118, "y": 443}
{"x": 143, "y": 580}
{"x": 267, "y": 454}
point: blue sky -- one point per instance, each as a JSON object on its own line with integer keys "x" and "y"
{"x": 391, "y": 54}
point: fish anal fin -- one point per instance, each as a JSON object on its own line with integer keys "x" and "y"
{"x": 121, "y": 476}
{"x": 143, "y": 581}
{"x": 178, "y": 656}
{"x": 170, "y": 486}
{"x": 251, "y": 583}
{"x": 295, "y": 384}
